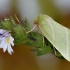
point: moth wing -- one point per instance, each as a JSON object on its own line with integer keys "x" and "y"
{"x": 57, "y": 34}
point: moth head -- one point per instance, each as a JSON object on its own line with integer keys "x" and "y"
{"x": 42, "y": 18}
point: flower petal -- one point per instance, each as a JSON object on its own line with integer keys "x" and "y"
{"x": 2, "y": 42}
{"x": 4, "y": 47}
{"x": 10, "y": 50}
{"x": 1, "y": 31}
{"x": 11, "y": 42}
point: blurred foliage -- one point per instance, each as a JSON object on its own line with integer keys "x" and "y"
{"x": 47, "y": 7}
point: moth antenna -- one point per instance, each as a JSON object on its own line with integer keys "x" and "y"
{"x": 32, "y": 29}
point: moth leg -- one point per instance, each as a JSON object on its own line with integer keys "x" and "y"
{"x": 43, "y": 40}
{"x": 32, "y": 29}
{"x": 54, "y": 50}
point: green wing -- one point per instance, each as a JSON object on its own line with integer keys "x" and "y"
{"x": 57, "y": 34}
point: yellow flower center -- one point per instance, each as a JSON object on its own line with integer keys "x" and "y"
{"x": 8, "y": 40}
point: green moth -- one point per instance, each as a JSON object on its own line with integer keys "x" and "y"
{"x": 57, "y": 34}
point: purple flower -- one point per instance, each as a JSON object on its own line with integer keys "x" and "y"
{"x": 6, "y": 41}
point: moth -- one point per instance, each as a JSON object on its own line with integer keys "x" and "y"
{"x": 57, "y": 34}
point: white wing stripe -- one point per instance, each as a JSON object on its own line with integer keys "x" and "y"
{"x": 67, "y": 40}
{"x": 51, "y": 28}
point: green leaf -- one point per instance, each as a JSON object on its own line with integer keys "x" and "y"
{"x": 5, "y": 25}
{"x": 36, "y": 40}
{"x": 11, "y": 20}
{"x": 19, "y": 35}
{"x": 26, "y": 25}
{"x": 8, "y": 23}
